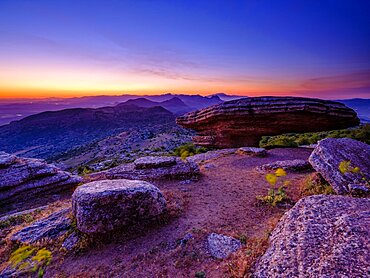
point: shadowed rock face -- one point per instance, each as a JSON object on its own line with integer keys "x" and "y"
{"x": 243, "y": 122}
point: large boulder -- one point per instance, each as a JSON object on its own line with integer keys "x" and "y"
{"x": 106, "y": 205}
{"x": 24, "y": 177}
{"x": 243, "y": 122}
{"x": 321, "y": 236}
{"x": 151, "y": 168}
{"x": 330, "y": 153}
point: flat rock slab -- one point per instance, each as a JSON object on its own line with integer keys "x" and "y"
{"x": 221, "y": 246}
{"x": 173, "y": 169}
{"x": 321, "y": 236}
{"x": 295, "y": 165}
{"x": 52, "y": 227}
{"x": 328, "y": 155}
{"x": 150, "y": 162}
{"x": 252, "y": 151}
{"x": 106, "y": 205}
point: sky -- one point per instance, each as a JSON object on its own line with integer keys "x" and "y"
{"x": 256, "y": 47}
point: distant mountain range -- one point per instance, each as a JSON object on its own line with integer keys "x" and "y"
{"x": 48, "y": 134}
{"x": 175, "y": 104}
{"x": 15, "y": 109}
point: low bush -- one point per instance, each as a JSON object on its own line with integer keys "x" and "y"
{"x": 187, "y": 150}
{"x": 361, "y": 133}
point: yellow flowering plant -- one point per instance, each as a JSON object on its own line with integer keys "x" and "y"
{"x": 275, "y": 196}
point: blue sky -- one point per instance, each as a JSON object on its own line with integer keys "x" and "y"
{"x": 257, "y": 47}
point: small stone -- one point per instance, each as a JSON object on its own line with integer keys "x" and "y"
{"x": 252, "y": 151}
{"x": 106, "y": 205}
{"x": 221, "y": 246}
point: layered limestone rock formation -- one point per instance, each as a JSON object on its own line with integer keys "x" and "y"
{"x": 321, "y": 236}
{"x": 243, "y": 122}
{"x": 24, "y": 177}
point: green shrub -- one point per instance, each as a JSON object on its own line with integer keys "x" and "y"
{"x": 361, "y": 133}
{"x": 188, "y": 149}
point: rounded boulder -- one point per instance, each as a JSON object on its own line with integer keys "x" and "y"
{"x": 106, "y": 205}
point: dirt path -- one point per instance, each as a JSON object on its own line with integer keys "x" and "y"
{"x": 222, "y": 201}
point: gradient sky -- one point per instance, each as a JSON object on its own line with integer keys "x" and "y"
{"x": 256, "y": 47}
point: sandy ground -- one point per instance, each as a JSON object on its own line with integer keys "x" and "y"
{"x": 222, "y": 201}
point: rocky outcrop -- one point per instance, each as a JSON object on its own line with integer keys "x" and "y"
{"x": 53, "y": 227}
{"x": 151, "y": 168}
{"x": 221, "y": 246}
{"x": 243, "y": 122}
{"x": 103, "y": 206}
{"x": 330, "y": 153}
{"x": 23, "y": 177}
{"x": 321, "y": 236}
{"x": 295, "y": 165}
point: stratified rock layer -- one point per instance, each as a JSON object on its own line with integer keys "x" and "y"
{"x": 329, "y": 154}
{"x": 103, "y": 206}
{"x": 23, "y": 177}
{"x": 243, "y": 122}
{"x": 321, "y": 236}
